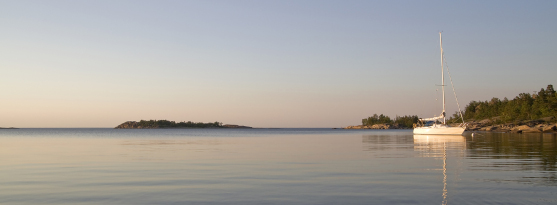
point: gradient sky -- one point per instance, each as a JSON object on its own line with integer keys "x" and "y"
{"x": 263, "y": 63}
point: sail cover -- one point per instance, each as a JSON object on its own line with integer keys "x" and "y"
{"x": 432, "y": 118}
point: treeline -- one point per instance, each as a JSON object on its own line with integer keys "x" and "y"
{"x": 406, "y": 121}
{"x": 522, "y": 107}
{"x": 173, "y": 124}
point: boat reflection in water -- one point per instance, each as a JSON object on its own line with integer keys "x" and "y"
{"x": 436, "y": 146}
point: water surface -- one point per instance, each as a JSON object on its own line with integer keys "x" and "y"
{"x": 274, "y": 166}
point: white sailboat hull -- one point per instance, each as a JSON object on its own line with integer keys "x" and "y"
{"x": 439, "y": 130}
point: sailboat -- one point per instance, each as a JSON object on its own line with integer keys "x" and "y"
{"x": 438, "y": 125}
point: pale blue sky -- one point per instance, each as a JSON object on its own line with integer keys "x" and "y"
{"x": 263, "y": 63}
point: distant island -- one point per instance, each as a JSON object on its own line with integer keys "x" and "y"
{"x": 526, "y": 113}
{"x": 157, "y": 124}
{"x": 8, "y": 128}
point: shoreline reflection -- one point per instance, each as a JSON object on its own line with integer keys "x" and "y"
{"x": 515, "y": 153}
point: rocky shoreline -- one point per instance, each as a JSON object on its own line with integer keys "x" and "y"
{"x": 376, "y": 127}
{"x": 544, "y": 125}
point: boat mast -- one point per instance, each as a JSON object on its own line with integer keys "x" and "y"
{"x": 442, "y": 76}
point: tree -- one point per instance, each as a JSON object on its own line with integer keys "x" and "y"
{"x": 522, "y": 107}
{"x": 406, "y": 121}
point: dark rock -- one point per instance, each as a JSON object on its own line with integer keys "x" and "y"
{"x": 549, "y": 128}
{"x": 502, "y": 130}
{"x": 532, "y": 123}
{"x": 473, "y": 126}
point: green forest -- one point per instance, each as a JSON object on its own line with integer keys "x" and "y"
{"x": 405, "y": 121}
{"x": 523, "y": 107}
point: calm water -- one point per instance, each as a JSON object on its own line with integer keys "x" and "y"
{"x": 274, "y": 166}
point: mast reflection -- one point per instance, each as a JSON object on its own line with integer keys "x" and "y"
{"x": 436, "y": 146}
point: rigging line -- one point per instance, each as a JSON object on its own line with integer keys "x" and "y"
{"x": 449, "y": 72}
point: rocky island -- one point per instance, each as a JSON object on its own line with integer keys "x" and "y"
{"x": 158, "y": 124}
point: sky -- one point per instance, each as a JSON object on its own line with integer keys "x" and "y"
{"x": 264, "y": 63}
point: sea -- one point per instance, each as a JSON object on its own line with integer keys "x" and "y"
{"x": 274, "y": 166}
